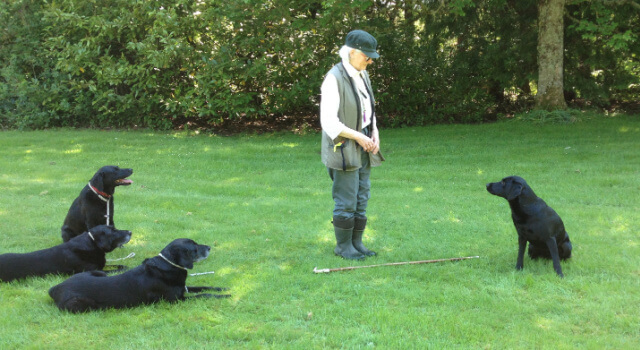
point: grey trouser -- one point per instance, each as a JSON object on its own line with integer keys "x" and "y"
{"x": 351, "y": 190}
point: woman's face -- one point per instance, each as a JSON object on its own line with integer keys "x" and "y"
{"x": 359, "y": 60}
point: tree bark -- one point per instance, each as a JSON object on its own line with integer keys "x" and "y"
{"x": 550, "y": 55}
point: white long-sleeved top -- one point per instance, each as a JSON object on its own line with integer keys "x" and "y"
{"x": 330, "y": 102}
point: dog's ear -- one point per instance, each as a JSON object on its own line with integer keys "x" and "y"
{"x": 182, "y": 252}
{"x": 186, "y": 258}
{"x": 97, "y": 180}
{"x": 514, "y": 190}
{"x": 101, "y": 237}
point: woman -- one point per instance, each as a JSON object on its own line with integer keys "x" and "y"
{"x": 350, "y": 140}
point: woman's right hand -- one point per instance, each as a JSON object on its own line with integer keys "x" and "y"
{"x": 366, "y": 142}
{"x": 363, "y": 140}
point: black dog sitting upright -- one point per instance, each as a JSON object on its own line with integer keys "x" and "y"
{"x": 82, "y": 253}
{"x": 160, "y": 278}
{"x": 94, "y": 206}
{"x": 535, "y": 222}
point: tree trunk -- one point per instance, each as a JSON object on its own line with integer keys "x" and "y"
{"x": 550, "y": 55}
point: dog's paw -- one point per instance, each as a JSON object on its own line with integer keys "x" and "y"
{"x": 203, "y": 295}
{"x": 207, "y": 295}
{"x": 217, "y": 289}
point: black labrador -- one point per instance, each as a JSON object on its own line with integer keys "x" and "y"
{"x": 94, "y": 205}
{"x": 535, "y": 223}
{"x": 159, "y": 278}
{"x": 82, "y": 253}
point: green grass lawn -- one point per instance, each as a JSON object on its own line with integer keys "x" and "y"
{"x": 264, "y": 204}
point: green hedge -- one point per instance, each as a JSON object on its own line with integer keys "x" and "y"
{"x": 123, "y": 63}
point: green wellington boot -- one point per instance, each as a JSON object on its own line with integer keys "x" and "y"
{"x": 358, "y": 231}
{"x": 344, "y": 246}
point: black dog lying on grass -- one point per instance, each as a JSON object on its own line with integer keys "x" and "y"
{"x": 94, "y": 205}
{"x": 160, "y": 278}
{"x": 535, "y": 223}
{"x": 82, "y": 253}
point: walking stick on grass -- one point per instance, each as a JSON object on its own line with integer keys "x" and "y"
{"x": 315, "y": 269}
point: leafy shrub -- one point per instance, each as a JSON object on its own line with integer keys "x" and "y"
{"x": 123, "y": 63}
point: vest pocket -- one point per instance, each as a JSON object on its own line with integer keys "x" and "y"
{"x": 343, "y": 155}
{"x": 349, "y": 155}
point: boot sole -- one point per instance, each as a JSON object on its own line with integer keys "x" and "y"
{"x": 350, "y": 258}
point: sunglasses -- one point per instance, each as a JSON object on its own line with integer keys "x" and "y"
{"x": 369, "y": 59}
